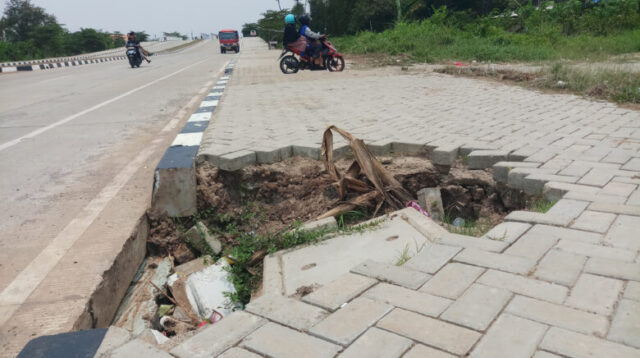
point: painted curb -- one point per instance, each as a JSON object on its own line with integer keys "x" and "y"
{"x": 47, "y": 66}
{"x": 174, "y": 187}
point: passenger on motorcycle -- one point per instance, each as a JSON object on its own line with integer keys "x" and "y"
{"x": 292, "y": 37}
{"x": 132, "y": 42}
{"x": 313, "y": 47}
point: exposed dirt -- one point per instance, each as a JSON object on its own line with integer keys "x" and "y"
{"x": 273, "y": 197}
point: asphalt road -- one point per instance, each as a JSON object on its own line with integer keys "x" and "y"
{"x": 73, "y": 140}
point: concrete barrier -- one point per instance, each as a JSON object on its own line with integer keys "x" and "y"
{"x": 174, "y": 188}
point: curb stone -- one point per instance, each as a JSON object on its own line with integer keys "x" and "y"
{"x": 174, "y": 187}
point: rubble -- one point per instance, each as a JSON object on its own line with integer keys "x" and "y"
{"x": 431, "y": 200}
{"x": 206, "y": 290}
{"x": 139, "y": 307}
{"x": 201, "y": 239}
{"x": 152, "y": 336}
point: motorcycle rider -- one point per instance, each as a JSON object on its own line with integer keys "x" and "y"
{"x": 132, "y": 42}
{"x": 314, "y": 48}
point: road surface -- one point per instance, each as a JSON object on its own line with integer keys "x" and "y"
{"x": 78, "y": 147}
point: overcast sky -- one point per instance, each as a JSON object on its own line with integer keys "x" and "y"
{"x": 154, "y": 17}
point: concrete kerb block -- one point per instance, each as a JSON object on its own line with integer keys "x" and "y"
{"x": 445, "y": 155}
{"x": 501, "y": 169}
{"x": 481, "y": 159}
{"x": 272, "y": 275}
{"x": 267, "y": 155}
{"x": 556, "y": 190}
{"x": 174, "y": 192}
{"x": 237, "y": 160}
{"x": 380, "y": 148}
{"x": 410, "y": 148}
{"x": 306, "y": 151}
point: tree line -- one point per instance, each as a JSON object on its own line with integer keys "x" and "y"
{"x": 349, "y": 17}
{"x": 29, "y": 32}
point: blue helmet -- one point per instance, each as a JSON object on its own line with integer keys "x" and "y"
{"x": 290, "y": 19}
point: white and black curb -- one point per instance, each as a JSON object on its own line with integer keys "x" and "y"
{"x": 174, "y": 187}
{"x": 47, "y": 66}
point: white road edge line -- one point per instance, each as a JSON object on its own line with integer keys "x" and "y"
{"x": 39, "y": 131}
{"x": 28, "y": 279}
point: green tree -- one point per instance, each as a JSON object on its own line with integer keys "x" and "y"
{"x": 247, "y": 28}
{"x": 118, "y": 40}
{"x": 142, "y": 36}
{"x": 298, "y": 9}
{"x": 48, "y": 39}
{"x": 21, "y": 18}
{"x": 272, "y": 24}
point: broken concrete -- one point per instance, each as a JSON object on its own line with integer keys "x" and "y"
{"x": 431, "y": 200}
{"x": 206, "y": 290}
{"x": 201, "y": 239}
{"x": 138, "y": 308}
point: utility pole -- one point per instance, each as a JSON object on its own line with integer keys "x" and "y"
{"x": 279, "y": 7}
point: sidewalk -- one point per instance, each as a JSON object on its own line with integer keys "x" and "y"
{"x": 561, "y": 284}
{"x": 564, "y": 283}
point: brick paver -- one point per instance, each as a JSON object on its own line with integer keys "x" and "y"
{"x": 565, "y": 283}
{"x": 346, "y": 324}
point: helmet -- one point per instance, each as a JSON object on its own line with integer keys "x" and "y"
{"x": 305, "y": 19}
{"x": 131, "y": 33}
{"x": 290, "y": 19}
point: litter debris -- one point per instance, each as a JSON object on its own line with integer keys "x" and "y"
{"x": 139, "y": 307}
{"x": 458, "y": 222}
{"x": 206, "y": 290}
{"x": 175, "y": 327}
{"x": 414, "y": 204}
{"x": 376, "y": 188}
{"x": 164, "y": 309}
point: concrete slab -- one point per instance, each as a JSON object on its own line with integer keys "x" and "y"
{"x": 323, "y": 263}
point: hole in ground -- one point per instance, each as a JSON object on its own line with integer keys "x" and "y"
{"x": 252, "y": 211}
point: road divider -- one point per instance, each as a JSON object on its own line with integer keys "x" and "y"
{"x": 47, "y": 66}
{"x": 38, "y": 65}
{"x": 174, "y": 187}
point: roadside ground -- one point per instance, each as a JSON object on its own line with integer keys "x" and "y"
{"x": 565, "y": 283}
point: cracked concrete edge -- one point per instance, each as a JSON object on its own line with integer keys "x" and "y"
{"x": 273, "y": 275}
{"x": 105, "y": 299}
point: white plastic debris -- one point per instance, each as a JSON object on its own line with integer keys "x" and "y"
{"x": 206, "y": 290}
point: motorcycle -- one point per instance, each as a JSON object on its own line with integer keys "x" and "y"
{"x": 135, "y": 58}
{"x": 331, "y": 59}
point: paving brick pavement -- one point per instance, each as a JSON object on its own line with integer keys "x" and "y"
{"x": 565, "y": 283}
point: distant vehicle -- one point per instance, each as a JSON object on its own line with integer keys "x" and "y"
{"x": 229, "y": 41}
{"x": 135, "y": 58}
{"x": 253, "y": 33}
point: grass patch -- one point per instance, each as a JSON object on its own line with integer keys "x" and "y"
{"x": 541, "y": 205}
{"x": 428, "y": 42}
{"x": 403, "y": 256}
{"x": 246, "y": 246}
{"x": 587, "y": 80}
{"x": 613, "y": 85}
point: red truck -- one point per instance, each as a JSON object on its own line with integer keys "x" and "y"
{"x": 229, "y": 41}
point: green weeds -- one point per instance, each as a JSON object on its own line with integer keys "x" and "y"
{"x": 471, "y": 227}
{"x": 540, "y": 205}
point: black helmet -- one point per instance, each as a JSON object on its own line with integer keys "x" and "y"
{"x": 305, "y": 19}
{"x": 132, "y": 33}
